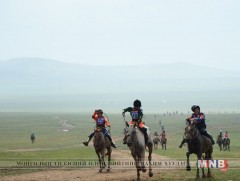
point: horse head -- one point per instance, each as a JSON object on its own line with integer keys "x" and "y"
{"x": 190, "y": 132}
{"x": 130, "y": 134}
{"x": 98, "y": 137}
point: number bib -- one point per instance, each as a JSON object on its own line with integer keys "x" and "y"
{"x": 134, "y": 115}
{"x": 100, "y": 121}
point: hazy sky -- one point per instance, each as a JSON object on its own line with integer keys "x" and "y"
{"x": 107, "y": 32}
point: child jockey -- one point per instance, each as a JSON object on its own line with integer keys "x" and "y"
{"x": 156, "y": 134}
{"x": 163, "y": 135}
{"x": 101, "y": 121}
{"x": 198, "y": 119}
{"x": 226, "y": 136}
{"x": 136, "y": 114}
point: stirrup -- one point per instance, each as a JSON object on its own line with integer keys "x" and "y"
{"x": 113, "y": 145}
{"x": 213, "y": 142}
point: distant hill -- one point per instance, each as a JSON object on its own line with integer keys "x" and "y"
{"x": 43, "y": 76}
{"x": 37, "y": 77}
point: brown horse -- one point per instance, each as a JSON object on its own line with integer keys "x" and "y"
{"x": 226, "y": 144}
{"x": 101, "y": 144}
{"x": 136, "y": 143}
{"x": 220, "y": 142}
{"x": 197, "y": 144}
{"x": 164, "y": 143}
{"x": 155, "y": 142}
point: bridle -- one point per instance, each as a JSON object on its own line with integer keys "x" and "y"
{"x": 192, "y": 134}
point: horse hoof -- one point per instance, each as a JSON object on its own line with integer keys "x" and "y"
{"x": 150, "y": 174}
{"x": 203, "y": 176}
{"x": 108, "y": 170}
{"x": 100, "y": 170}
{"x": 144, "y": 169}
{"x": 188, "y": 168}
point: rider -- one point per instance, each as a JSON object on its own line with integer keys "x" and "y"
{"x": 136, "y": 114}
{"x": 220, "y": 135}
{"x": 156, "y": 134}
{"x": 198, "y": 119}
{"x": 101, "y": 121}
{"x": 226, "y": 136}
{"x": 163, "y": 135}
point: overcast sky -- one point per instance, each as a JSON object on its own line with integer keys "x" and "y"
{"x": 122, "y": 32}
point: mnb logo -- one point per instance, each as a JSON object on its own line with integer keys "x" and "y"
{"x": 222, "y": 164}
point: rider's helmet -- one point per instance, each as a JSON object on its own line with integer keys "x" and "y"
{"x": 100, "y": 111}
{"x": 195, "y": 107}
{"x": 226, "y": 131}
{"x": 137, "y": 103}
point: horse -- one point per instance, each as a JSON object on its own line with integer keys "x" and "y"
{"x": 220, "y": 142}
{"x": 164, "y": 143}
{"x": 155, "y": 142}
{"x": 136, "y": 143}
{"x": 101, "y": 144}
{"x": 197, "y": 144}
{"x": 226, "y": 144}
{"x": 32, "y": 138}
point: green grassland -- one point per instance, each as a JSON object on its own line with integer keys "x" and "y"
{"x": 53, "y": 143}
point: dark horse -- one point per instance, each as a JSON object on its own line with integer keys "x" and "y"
{"x": 32, "y": 138}
{"x": 220, "y": 142}
{"x": 226, "y": 144}
{"x": 164, "y": 143}
{"x": 155, "y": 142}
{"x": 197, "y": 144}
{"x": 136, "y": 143}
{"x": 101, "y": 143}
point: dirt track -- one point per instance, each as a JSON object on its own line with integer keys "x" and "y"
{"x": 88, "y": 174}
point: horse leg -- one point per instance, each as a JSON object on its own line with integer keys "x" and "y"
{"x": 199, "y": 155}
{"x": 102, "y": 158}
{"x": 209, "y": 157}
{"x": 188, "y": 167}
{"x": 138, "y": 168}
{"x": 99, "y": 160}
{"x": 143, "y": 168}
{"x": 203, "y": 174}
{"x": 109, "y": 158}
{"x": 150, "y": 173}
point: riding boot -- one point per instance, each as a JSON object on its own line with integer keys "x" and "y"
{"x": 210, "y": 137}
{"x": 110, "y": 139}
{"x": 205, "y": 133}
{"x": 144, "y": 130}
{"x": 89, "y": 139}
{"x": 183, "y": 141}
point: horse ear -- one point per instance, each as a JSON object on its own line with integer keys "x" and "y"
{"x": 126, "y": 123}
